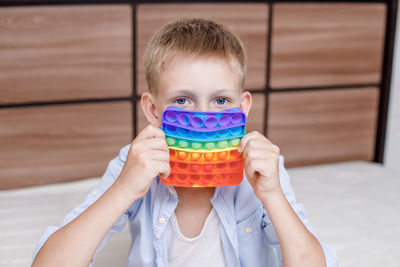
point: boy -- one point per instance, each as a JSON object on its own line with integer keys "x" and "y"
{"x": 195, "y": 64}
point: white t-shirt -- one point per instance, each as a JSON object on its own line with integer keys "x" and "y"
{"x": 202, "y": 250}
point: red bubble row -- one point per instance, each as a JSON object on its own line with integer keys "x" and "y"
{"x": 206, "y": 180}
{"x": 190, "y": 167}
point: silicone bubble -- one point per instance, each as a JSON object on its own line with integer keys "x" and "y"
{"x": 224, "y": 120}
{"x": 222, "y": 155}
{"x": 196, "y": 135}
{"x": 170, "y": 116}
{"x": 197, "y": 145}
{"x": 170, "y": 129}
{"x": 234, "y": 142}
{"x": 211, "y": 122}
{"x": 209, "y": 145}
{"x": 224, "y": 133}
{"x": 183, "y": 143}
{"x": 171, "y": 141}
{"x": 210, "y": 135}
{"x": 183, "y": 119}
{"x": 222, "y": 144}
{"x": 203, "y": 147}
{"x": 196, "y": 121}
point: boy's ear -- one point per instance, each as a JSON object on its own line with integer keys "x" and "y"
{"x": 149, "y": 108}
{"x": 245, "y": 102}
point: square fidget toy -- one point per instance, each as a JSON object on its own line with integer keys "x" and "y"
{"x": 203, "y": 147}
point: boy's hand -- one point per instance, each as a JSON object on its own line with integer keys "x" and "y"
{"x": 261, "y": 163}
{"x": 148, "y": 157}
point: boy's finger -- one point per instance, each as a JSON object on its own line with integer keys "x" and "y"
{"x": 160, "y": 156}
{"x": 150, "y": 131}
{"x": 244, "y": 141}
{"x": 250, "y": 171}
{"x": 258, "y": 149}
{"x": 255, "y": 153}
{"x": 156, "y": 143}
{"x": 256, "y": 166}
{"x": 163, "y": 168}
{"x": 249, "y": 136}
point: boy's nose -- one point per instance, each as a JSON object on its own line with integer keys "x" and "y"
{"x": 203, "y": 108}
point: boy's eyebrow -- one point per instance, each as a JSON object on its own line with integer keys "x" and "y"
{"x": 183, "y": 92}
{"x": 191, "y": 94}
{"x": 223, "y": 91}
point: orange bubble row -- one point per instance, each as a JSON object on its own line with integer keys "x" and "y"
{"x": 204, "y": 156}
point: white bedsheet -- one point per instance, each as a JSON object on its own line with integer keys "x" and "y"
{"x": 354, "y": 206}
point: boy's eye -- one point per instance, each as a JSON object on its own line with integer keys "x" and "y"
{"x": 181, "y": 101}
{"x": 220, "y": 101}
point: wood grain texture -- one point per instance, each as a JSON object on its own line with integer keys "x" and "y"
{"x": 256, "y": 117}
{"x": 315, "y": 127}
{"x": 325, "y": 44}
{"x": 65, "y": 52}
{"x": 51, "y": 144}
{"x": 248, "y": 21}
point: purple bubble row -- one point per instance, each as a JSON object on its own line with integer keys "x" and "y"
{"x": 207, "y": 121}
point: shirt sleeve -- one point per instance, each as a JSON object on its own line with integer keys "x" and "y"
{"x": 113, "y": 170}
{"x": 272, "y": 238}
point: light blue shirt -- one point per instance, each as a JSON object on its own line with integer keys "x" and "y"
{"x": 247, "y": 234}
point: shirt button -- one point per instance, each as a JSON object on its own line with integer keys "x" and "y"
{"x": 94, "y": 194}
{"x": 171, "y": 191}
{"x": 161, "y": 220}
{"x": 249, "y": 230}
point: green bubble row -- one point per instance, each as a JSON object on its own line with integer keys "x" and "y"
{"x": 182, "y": 143}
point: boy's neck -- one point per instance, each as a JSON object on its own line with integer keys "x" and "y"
{"x": 193, "y": 208}
{"x": 194, "y": 195}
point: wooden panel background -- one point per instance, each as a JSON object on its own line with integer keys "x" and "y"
{"x": 327, "y": 44}
{"x": 41, "y": 145}
{"x": 63, "y": 53}
{"x": 83, "y": 53}
{"x": 315, "y": 127}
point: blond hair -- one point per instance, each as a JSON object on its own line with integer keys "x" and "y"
{"x": 190, "y": 37}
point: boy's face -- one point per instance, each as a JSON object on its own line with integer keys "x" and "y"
{"x": 201, "y": 84}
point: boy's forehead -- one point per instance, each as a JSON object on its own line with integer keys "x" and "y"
{"x": 200, "y": 74}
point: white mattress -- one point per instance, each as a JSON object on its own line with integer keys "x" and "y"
{"x": 354, "y": 206}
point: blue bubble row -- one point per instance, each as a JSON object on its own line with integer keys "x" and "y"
{"x": 223, "y": 134}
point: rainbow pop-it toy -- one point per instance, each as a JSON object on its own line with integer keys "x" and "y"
{"x": 203, "y": 147}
